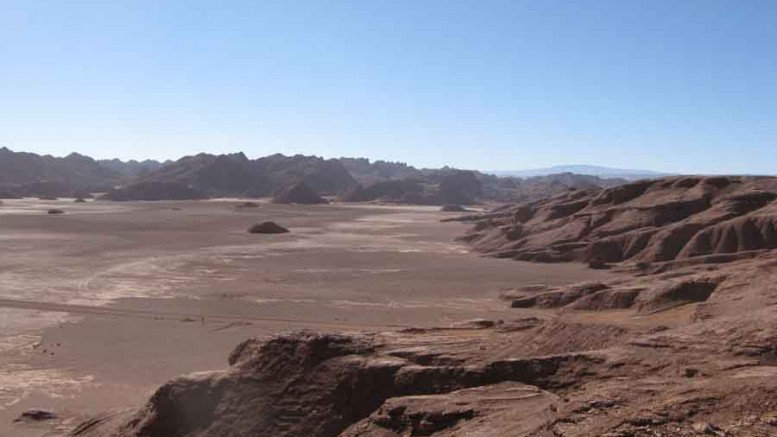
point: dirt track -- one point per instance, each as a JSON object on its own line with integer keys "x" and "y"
{"x": 123, "y": 296}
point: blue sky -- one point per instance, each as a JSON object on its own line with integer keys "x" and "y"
{"x": 681, "y": 86}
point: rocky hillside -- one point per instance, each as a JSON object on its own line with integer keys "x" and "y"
{"x": 234, "y": 175}
{"x": 398, "y": 182}
{"x": 368, "y": 172}
{"x": 440, "y": 188}
{"x": 671, "y": 220}
{"x": 22, "y": 173}
{"x": 132, "y": 168}
{"x": 215, "y": 175}
{"x": 511, "y": 189}
{"x": 325, "y": 176}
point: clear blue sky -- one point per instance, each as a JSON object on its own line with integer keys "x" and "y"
{"x": 686, "y": 86}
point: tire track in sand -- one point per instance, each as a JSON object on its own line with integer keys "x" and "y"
{"x": 148, "y": 314}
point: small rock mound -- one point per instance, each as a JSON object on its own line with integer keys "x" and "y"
{"x": 299, "y": 194}
{"x": 36, "y": 415}
{"x": 55, "y": 211}
{"x": 247, "y": 205}
{"x": 453, "y": 208}
{"x": 79, "y": 200}
{"x": 267, "y": 228}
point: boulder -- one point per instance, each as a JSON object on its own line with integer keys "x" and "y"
{"x": 247, "y": 205}
{"x": 36, "y": 415}
{"x": 267, "y": 228}
{"x": 453, "y": 208}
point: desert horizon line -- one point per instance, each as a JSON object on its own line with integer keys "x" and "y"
{"x": 504, "y": 172}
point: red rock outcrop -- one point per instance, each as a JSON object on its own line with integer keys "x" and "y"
{"x": 656, "y": 221}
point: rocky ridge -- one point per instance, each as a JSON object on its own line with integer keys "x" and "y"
{"x": 647, "y": 224}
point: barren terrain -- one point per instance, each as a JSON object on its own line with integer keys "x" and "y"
{"x": 674, "y": 336}
{"x": 102, "y": 304}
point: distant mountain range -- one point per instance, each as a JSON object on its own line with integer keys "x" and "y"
{"x": 593, "y": 170}
{"x": 132, "y": 168}
{"x": 235, "y": 175}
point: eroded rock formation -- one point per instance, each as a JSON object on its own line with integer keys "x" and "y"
{"x": 680, "y": 219}
{"x": 662, "y": 355}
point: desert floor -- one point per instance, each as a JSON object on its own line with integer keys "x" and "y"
{"x": 101, "y": 305}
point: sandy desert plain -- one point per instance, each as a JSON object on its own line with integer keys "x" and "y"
{"x": 101, "y": 305}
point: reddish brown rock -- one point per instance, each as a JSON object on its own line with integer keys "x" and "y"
{"x": 657, "y": 221}
{"x": 247, "y": 205}
{"x": 453, "y": 208}
{"x": 267, "y": 228}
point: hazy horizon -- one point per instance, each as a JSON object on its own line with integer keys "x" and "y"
{"x": 496, "y": 172}
{"x": 497, "y": 86}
